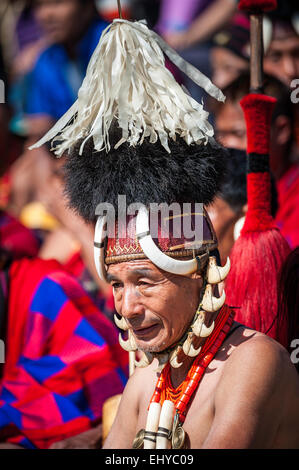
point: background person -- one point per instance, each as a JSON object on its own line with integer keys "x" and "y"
{"x": 231, "y": 132}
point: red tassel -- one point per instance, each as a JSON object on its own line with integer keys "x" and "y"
{"x": 259, "y": 252}
{"x": 257, "y": 6}
{"x": 252, "y": 283}
{"x": 258, "y": 110}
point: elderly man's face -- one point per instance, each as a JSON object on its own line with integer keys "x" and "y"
{"x": 157, "y": 306}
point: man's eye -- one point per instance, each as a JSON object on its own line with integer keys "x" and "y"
{"x": 275, "y": 57}
{"x": 116, "y": 285}
{"x": 143, "y": 283}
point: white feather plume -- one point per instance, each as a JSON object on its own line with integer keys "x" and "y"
{"x": 127, "y": 79}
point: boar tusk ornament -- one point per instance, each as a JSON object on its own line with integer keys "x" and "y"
{"x": 216, "y": 274}
{"x": 211, "y": 303}
{"x": 121, "y": 323}
{"x": 129, "y": 344}
{"x": 188, "y": 347}
{"x": 173, "y": 358}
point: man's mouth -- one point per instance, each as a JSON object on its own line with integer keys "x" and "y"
{"x": 140, "y": 332}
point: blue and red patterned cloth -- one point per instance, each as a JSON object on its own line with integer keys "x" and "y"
{"x": 63, "y": 359}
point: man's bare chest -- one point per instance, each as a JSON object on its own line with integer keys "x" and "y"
{"x": 200, "y": 412}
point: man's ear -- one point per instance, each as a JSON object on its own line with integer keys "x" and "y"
{"x": 198, "y": 277}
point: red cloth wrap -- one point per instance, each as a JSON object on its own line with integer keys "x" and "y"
{"x": 257, "y": 6}
{"x": 258, "y": 216}
{"x": 258, "y": 110}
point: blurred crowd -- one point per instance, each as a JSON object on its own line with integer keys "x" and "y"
{"x": 45, "y": 48}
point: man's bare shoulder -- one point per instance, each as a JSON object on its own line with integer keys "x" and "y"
{"x": 256, "y": 400}
{"x": 252, "y": 348}
{"x": 253, "y": 344}
{"x": 258, "y": 361}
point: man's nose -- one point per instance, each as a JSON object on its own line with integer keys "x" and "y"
{"x": 46, "y": 13}
{"x": 131, "y": 305}
{"x": 232, "y": 141}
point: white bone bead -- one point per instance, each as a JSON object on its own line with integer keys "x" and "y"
{"x": 166, "y": 421}
{"x": 152, "y": 424}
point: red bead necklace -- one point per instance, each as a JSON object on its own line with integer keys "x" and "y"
{"x": 181, "y": 395}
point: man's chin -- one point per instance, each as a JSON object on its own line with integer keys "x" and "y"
{"x": 158, "y": 347}
{"x": 150, "y": 349}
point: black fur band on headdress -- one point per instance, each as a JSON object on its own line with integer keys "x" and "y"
{"x": 145, "y": 174}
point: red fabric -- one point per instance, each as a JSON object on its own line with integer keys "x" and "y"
{"x": 16, "y": 238}
{"x": 257, "y": 5}
{"x": 75, "y": 264}
{"x": 252, "y": 283}
{"x": 257, "y": 110}
{"x": 287, "y": 216}
{"x": 5, "y": 184}
{"x": 258, "y": 217}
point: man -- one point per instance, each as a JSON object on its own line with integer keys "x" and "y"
{"x": 282, "y": 55}
{"x": 231, "y": 132}
{"x": 158, "y": 307}
{"x": 228, "y": 209}
{"x": 164, "y": 267}
{"x": 282, "y": 52}
{"x": 230, "y": 51}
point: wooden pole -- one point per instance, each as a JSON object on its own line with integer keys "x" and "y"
{"x": 119, "y": 9}
{"x": 256, "y": 53}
